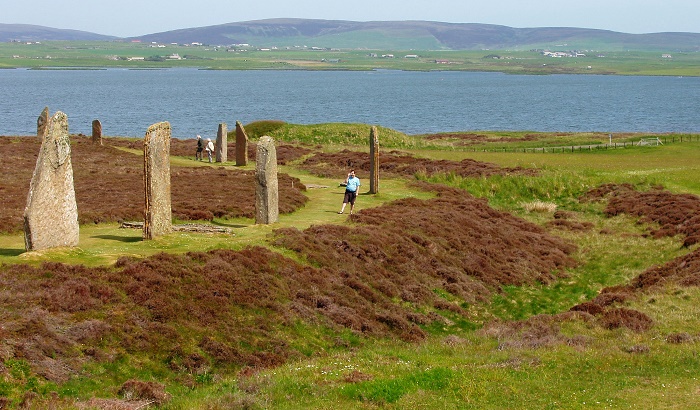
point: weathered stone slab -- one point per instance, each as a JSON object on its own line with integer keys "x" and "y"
{"x": 241, "y": 145}
{"x": 156, "y": 174}
{"x": 51, "y": 214}
{"x": 96, "y": 132}
{"x": 266, "y": 189}
{"x": 41, "y": 123}
{"x": 191, "y": 227}
{"x": 374, "y": 161}
{"x": 222, "y": 143}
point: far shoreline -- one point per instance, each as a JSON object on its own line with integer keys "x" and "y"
{"x": 516, "y": 73}
{"x": 100, "y": 55}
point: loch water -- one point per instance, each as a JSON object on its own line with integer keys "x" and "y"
{"x": 195, "y": 101}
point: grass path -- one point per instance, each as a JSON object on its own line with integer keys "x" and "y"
{"x": 104, "y": 243}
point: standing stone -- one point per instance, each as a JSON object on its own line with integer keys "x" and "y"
{"x": 266, "y": 189}
{"x": 241, "y": 145}
{"x": 374, "y": 161}
{"x": 222, "y": 143}
{"x": 96, "y": 132}
{"x": 51, "y": 214}
{"x": 156, "y": 175}
{"x": 41, "y": 123}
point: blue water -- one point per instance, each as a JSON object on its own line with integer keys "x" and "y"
{"x": 196, "y": 101}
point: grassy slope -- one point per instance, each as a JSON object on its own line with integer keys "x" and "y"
{"x": 467, "y": 369}
{"x": 471, "y": 372}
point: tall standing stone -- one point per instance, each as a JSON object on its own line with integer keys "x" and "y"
{"x": 156, "y": 174}
{"x": 96, "y": 132}
{"x": 266, "y": 189}
{"x": 241, "y": 145}
{"x": 51, "y": 214}
{"x": 374, "y": 161}
{"x": 222, "y": 143}
{"x": 41, "y": 123}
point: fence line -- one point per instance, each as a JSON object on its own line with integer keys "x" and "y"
{"x": 592, "y": 147}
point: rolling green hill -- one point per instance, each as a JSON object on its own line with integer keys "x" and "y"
{"x": 419, "y": 35}
{"x": 385, "y": 35}
{"x": 28, "y": 32}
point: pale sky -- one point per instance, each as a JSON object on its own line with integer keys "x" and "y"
{"x": 129, "y": 18}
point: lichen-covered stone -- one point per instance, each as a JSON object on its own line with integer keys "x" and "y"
{"x": 156, "y": 174}
{"x": 266, "y": 189}
{"x": 96, "y": 132}
{"x": 51, "y": 214}
{"x": 374, "y": 161}
{"x": 241, "y": 145}
{"x": 41, "y": 123}
{"x": 222, "y": 143}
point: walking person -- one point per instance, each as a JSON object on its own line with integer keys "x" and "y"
{"x": 209, "y": 148}
{"x": 352, "y": 184}
{"x": 200, "y": 148}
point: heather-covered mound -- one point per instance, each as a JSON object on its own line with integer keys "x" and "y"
{"x": 236, "y": 308}
{"x": 455, "y": 241}
{"x": 395, "y": 164}
{"x": 109, "y": 185}
{"x": 674, "y": 214}
{"x": 468, "y": 138}
{"x": 670, "y": 214}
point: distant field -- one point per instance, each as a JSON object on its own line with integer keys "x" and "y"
{"x": 67, "y": 54}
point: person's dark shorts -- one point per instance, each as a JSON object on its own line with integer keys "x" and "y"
{"x": 200, "y": 149}
{"x": 350, "y": 197}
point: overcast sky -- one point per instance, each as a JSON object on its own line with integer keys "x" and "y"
{"x": 126, "y": 18}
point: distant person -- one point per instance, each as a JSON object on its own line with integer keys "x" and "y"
{"x": 200, "y": 148}
{"x": 209, "y": 148}
{"x": 352, "y": 184}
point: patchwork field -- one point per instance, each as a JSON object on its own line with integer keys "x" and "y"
{"x": 598, "y": 59}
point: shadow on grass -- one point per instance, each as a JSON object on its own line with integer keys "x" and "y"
{"x": 11, "y": 252}
{"x": 229, "y": 225}
{"x": 127, "y": 239}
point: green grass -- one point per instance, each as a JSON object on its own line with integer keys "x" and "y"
{"x": 62, "y": 54}
{"x": 104, "y": 243}
{"x": 332, "y": 136}
{"x": 458, "y": 366}
{"x": 474, "y": 373}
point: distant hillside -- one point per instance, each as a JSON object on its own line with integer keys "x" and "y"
{"x": 420, "y": 35}
{"x": 28, "y": 32}
{"x": 384, "y": 35}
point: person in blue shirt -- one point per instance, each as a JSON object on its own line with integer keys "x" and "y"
{"x": 352, "y": 184}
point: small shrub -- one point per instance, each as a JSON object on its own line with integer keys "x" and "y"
{"x": 454, "y": 340}
{"x": 588, "y": 307}
{"x": 539, "y": 206}
{"x": 138, "y": 390}
{"x": 637, "y": 349}
{"x": 578, "y": 341}
{"x": 356, "y": 376}
{"x": 233, "y": 401}
{"x": 679, "y": 338}
{"x": 609, "y": 299}
{"x": 622, "y": 317}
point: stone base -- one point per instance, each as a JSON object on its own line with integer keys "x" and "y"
{"x": 199, "y": 228}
